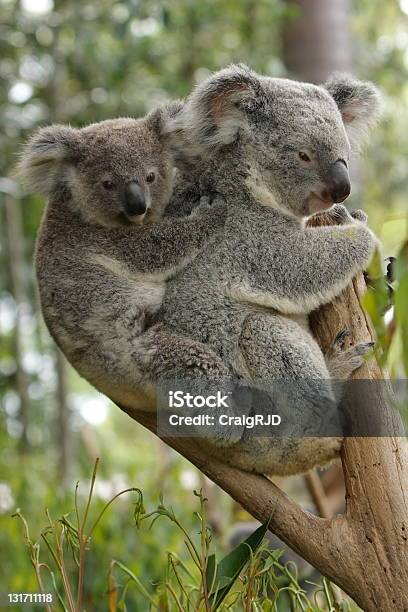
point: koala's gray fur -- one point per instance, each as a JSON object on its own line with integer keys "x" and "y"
{"x": 240, "y": 134}
{"x": 101, "y": 273}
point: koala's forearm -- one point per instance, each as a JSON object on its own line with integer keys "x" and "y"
{"x": 311, "y": 270}
{"x": 165, "y": 246}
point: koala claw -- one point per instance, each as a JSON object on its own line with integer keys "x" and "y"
{"x": 340, "y": 214}
{"x": 341, "y": 336}
{"x": 363, "y": 347}
{"x": 355, "y": 354}
{"x": 341, "y": 361}
{"x": 359, "y": 215}
{"x": 336, "y": 215}
{"x": 391, "y": 269}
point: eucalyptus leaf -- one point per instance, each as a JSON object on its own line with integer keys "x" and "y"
{"x": 229, "y": 568}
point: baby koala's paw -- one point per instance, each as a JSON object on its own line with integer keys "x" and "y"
{"x": 211, "y": 202}
{"x": 205, "y": 204}
{"x": 212, "y": 211}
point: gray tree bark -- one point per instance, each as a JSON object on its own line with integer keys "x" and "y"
{"x": 316, "y": 40}
{"x": 16, "y": 266}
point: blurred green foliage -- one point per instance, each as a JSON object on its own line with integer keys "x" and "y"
{"x": 250, "y": 577}
{"x": 80, "y": 62}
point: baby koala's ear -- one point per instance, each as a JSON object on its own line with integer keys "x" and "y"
{"x": 215, "y": 112}
{"x": 159, "y": 117}
{"x": 45, "y": 155}
{"x": 359, "y": 102}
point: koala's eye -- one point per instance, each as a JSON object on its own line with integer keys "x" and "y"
{"x": 108, "y": 185}
{"x": 150, "y": 177}
{"x": 304, "y": 156}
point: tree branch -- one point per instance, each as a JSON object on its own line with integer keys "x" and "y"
{"x": 301, "y": 530}
{"x": 365, "y": 551}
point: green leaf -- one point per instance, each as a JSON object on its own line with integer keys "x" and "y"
{"x": 210, "y": 571}
{"x": 401, "y": 309}
{"x": 401, "y": 300}
{"x": 220, "y": 578}
{"x": 375, "y": 302}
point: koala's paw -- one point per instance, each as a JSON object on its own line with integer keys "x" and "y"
{"x": 222, "y": 435}
{"x": 340, "y": 214}
{"x": 199, "y": 365}
{"x": 218, "y": 207}
{"x": 212, "y": 202}
{"x": 359, "y": 215}
{"x": 391, "y": 265}
{"x": 202, "y": 209}
{"x": 217, "y": 200}
{"x": 228, "y": 430}
{"x": 205, "y": 203}
{"x": 212, "y": 212}
{"x": 343, "y": 358}
{"x": 336, "y": 215}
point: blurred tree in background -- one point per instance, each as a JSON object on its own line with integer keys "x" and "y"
{"x": 78, "y": 62}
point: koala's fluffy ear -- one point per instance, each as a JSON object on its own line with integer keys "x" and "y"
{"x": 45, "y": 155}
{"x": 215, "y": 112}
{"x": 172, "y": 109}
{"x": 159, "y": 118}
{"x": 359, "y": 102}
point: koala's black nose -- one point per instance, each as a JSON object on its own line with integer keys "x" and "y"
{"x": 134, "y": 200}
{"x": 338, "y": 182}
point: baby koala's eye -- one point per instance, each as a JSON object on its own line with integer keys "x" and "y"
{"x": 150, "y": 177}
{"x": 108, "y": 185}
{"x": 304, "y": 156}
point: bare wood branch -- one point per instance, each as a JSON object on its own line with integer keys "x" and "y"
{"x": 364, "y": 551}
{"x": 372, "y": 565}
{"x": 319, "y": 497}
{"x": 304, "y": 532}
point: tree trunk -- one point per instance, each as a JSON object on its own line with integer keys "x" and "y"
{"x": 316, "y": 43}
{"x": 16, "y": 265}
{"x": 375, "y": 471}
{"x": 56, "y": 97}
{"x": 63, "y": 433}
{"x": 316, "y": 40}
{"x": 364, "y": 551}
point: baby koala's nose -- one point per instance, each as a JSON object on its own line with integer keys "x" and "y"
{"x": 338, "y": 182}
{"x": 134, "y": 200}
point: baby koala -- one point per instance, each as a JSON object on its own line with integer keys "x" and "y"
{"x": 104, "y": 254}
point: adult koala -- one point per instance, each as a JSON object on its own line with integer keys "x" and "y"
{"x": 277, "y": 151}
